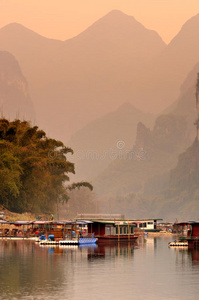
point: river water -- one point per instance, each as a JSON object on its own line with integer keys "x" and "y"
{"x": 149, "y": 270}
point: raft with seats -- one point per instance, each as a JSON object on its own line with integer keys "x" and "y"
{"x": 178, "y": 244}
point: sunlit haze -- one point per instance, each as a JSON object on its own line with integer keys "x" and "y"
{"x": 115, "y": 81}
{"x": 64, "y": 19}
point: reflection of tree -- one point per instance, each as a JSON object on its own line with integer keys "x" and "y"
{"x": 25, "y": 266}
{"x": 28, "y": 270}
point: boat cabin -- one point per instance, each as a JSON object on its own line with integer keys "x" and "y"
{"x": 192, "y": 233}
{"x": 147, "y": 225}
{"x": 112, "y": 231}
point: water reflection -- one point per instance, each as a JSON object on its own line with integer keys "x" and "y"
{"x": 110, "y": 251}
{"x": 148, "y": 270}
{"x": 24, "y": 267}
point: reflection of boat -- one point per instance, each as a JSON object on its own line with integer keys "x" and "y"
{"x": 178, "y": 244}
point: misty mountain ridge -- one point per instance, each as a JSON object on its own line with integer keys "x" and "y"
{"x": 116, "y": 27}
{"x": 15, "y": 101}
{"x": 102, "y": 136}
{"x": 181, "y": 192}
{"x": 171, "y": 67}
{"x": 89, "y": 86}
{"x": 149, "y": 186}
{"x": 185, "y": 105}
{"x": 96, "y": 71}
{"x": 161, "y": 147}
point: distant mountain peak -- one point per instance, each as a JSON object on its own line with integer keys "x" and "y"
{"x": 118, "y": 17}
{"x": 126, "y": 107}
{"x": 18, "y": 30}
{"x": 117, "y": 13}
{"x": 14, "y": 26}
{"x": 120, "y": 28}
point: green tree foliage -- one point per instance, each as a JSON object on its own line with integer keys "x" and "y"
{"x": 33, "y": 168}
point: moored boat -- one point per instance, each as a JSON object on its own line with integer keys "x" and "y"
{"x": 76, "y": 241}
{"x": 112, "y": 232}
{"x": 178, "y": 244}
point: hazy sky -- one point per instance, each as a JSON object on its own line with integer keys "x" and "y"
{"x": 63, "y": 19}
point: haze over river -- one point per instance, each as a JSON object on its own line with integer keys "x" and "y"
{"x": 149, "y": 270}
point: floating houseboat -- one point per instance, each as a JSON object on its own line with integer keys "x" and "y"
{"x": 108, "y": 232}
{"x": 47, "y": 232}
{"x": 72, "y": 235}
{"x": 147, "y": 225}
{"x": 192, "y": 229}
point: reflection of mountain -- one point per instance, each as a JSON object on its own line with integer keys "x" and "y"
{"x": 15, "y": 101}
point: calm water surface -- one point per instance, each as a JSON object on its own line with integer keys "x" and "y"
{"x": 149, "y": 271}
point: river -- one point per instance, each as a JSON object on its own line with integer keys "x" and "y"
{"x": 149, "y": 270}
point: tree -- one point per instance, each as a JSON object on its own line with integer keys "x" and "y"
{"x": 33, "y": 168}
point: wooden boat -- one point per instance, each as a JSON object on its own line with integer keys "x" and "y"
{"x": 112, "y": 232}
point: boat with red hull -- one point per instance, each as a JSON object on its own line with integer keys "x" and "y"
{"x": 111, "y": 239}
{"x": 113, "y": 232}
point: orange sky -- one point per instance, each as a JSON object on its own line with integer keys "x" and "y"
{"x": 63, "y": 19}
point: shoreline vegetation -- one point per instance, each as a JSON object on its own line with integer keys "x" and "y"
{"x": 34, "y": 170}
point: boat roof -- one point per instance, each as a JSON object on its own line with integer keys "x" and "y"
{"x": 187, "y": 223}
{"x": 3, "y": 222}
{"x": 19, "y": 223}
{"x": 123, "y": 222}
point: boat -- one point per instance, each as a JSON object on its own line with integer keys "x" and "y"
{"x": 112, "y": 232}
{"x": 192, "y": 229}
{"x": 178, "y": 244}
{"x": 76, "y": 241}
{"x": 79, "y": 241}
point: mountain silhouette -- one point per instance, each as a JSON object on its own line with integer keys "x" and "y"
{"x": 98, "y": 143}
{"x": 15, "y": 101}
{"x": 91, "y": 74}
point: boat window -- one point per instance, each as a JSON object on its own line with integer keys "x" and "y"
{"x": 124, "y": 230}
{"x": 150, "y": 223}
{"x": 120, "y": 230}
{"x": 132, "y": 230}
{"x": 107, "y": 230}
{"x": 116, "y": 230}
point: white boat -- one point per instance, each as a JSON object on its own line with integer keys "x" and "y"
{"x": 178, "y": 244}
{"x": 75, "y": 241}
